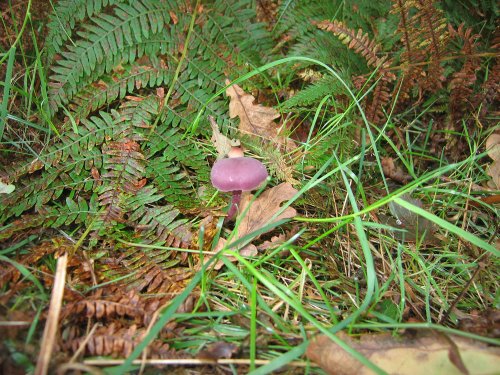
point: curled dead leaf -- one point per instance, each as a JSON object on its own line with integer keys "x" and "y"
{"x": 394, "y": 172}
{"x": 221, "y": 143}
{"x": 424, "y": 354}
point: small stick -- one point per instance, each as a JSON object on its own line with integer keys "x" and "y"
{"x": 49, "y": 333}
{"x": 460, "y": 296}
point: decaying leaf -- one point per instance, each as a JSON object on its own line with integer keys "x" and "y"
{"x": 221, "y": 143}
{"x": 263, "y": 208}
{"x": 493, "y": 170}
{"x": 415, "y": 226}
{"x": 424, "y": 354}
{"x": 394, "y": 172}
{"x": 248, "y": 251}
{"x": 255, "y": 119}
{"x": 6, "y": 188}
{"x": 218, "y": 350}
{"x": 259, "y": 214}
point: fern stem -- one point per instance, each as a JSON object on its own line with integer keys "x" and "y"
{"x": 179, "y": 66}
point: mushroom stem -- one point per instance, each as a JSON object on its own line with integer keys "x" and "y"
{"x": 235, "y": 201}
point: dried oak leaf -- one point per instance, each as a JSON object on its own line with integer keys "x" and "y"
{"x": 255, "y": 119}
{"x": 259, "y": 214}
{"x": 493, "y": 170}
{"x": 422, "y": 354}
{"x": 263, "y": 208}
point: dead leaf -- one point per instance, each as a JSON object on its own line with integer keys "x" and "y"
{"x": 221, "y": 143}
{"x": 255, "y": 119}
{"x": 424, "y": 354}
{"x": 394, "y": 172}
{"x": 218, "y": 350}
{"x": 258, "y": 215}
{"x": 264, "y": 207}
{"x": 493, "y": 150}
{"x": 248, "y": 251}
{"x": 416, "y": 227}
{"x": 6, "y": 188}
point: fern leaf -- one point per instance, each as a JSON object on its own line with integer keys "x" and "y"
{"x": 104, "y": 43}
{"x": 64, "y": 18}
{"x": 326, "y": 85}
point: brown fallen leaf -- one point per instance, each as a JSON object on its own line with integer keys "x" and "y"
{"x": 424, "y": 354}
{"x": 258, "y": 215}
{"x": 255, "y": 119}
{"x": 218, "y": 350}
{"x": 493, "y": 170}
{"x": 394, "y": 172}
{"x": 264, "y": 207}
{"x": 221, "y": 143}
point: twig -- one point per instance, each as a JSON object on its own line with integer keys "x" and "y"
{"x": 459, "y": 297}
{"x": 49, "y": 333}
{"x": 191, "y": 362}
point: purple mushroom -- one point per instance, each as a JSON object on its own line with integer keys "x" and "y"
{"x": 237, "y": 174}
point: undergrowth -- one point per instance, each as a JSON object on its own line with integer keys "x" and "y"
{"x": 106, "y": 142}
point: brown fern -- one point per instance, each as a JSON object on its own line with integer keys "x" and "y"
{"x": 116, "y": 340}
{"x": 358, "y": 42}
{"x": 423, "y": 27}
{"x": 462, "y": 82}
{"x": 491, "y": 87}
{"x": 370, "y": 50}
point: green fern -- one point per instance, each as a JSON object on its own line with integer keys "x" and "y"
{"x": 123, "y": 159}
{"x": 326, "y": 85}
{"x": 64, "y": 18}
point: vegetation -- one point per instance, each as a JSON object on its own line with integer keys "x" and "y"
{"x": 374, "y": 117}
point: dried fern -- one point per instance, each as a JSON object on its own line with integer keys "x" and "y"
{"x": 425, "y": 37}
{"x": 362, "y": 44}
{"x": 462, "y": 81}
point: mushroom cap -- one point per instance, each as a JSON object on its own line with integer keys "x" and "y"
{"x": 236, "y": 174}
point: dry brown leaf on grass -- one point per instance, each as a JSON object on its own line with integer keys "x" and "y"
{"x": 394, "y": 172}
{"x": 259, "y": 214}
{"x": 218, "y": 350}
{"x": 255, "y": 119}
{"x": 424, "y": 354}
{"x": 493, "y": 150}
{"x": 264, "y": 207}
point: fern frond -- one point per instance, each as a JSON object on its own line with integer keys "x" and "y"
{"x": 326, "y": 85}
{"x": 358, "y": 41}
{"x": 106, "y": 42}
{"x": 117, "y": 85}
{"x": 64, "y": 18}
{"x": 424, "y": 30}
{"x": 369, "y": 49}
{"x": 462, "y": 82}
{"x": 124, "y": 174}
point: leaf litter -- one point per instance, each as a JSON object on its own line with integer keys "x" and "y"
{"x": 413, "y": 354}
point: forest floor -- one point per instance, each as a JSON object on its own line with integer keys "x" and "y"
{"x": 373, "y": 244}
